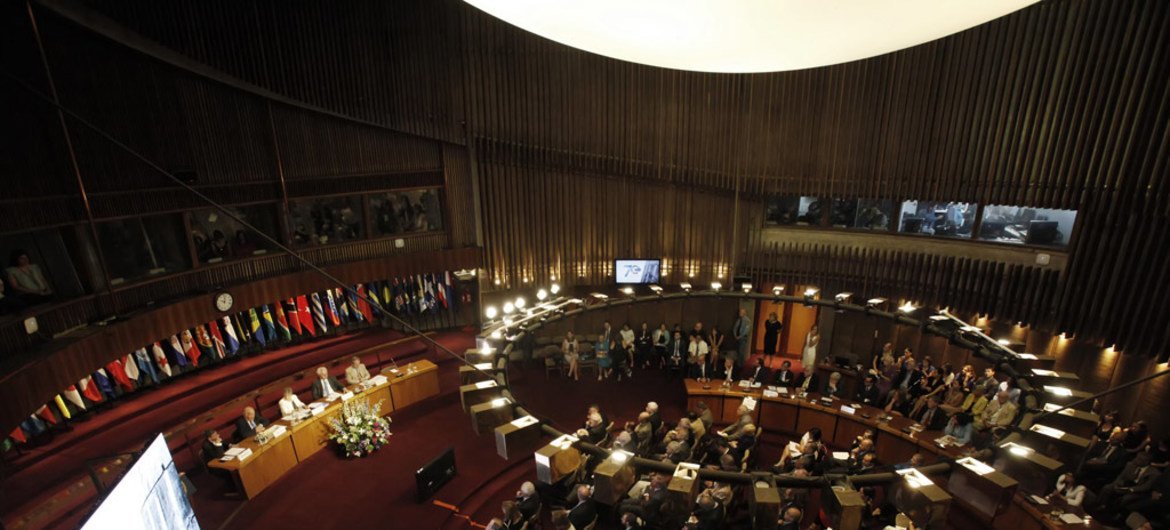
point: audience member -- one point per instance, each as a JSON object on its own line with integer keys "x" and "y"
{"x": 26, "y": 279}
{"x": 571, "y": 349}
{"x": 868, "y": 393}
{"x": 527, "y": 501}
{"x": 784, "y": 377}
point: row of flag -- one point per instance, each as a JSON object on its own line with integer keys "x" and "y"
{"x": 299, "y": 317}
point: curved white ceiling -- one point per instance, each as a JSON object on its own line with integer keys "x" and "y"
{"x": 745, "y": 35}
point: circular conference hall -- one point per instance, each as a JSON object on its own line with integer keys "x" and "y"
{"x": 547, "y": 265}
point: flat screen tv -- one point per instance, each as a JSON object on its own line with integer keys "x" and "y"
{"x": 637, "y": 270}
{"x": 148, "y": 497}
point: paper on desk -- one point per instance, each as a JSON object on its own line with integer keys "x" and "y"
{"x": 524, "y": 421}
{"x": 276, "y": 430}
{"x": 770, "y": 394}
{"x": 1038, "y": 499}
{"x": 1071, "y": 518}
{"x": 378, "y": 380}
{"x": 745, "y": 383}
{"x": 841, "y": 455}
{"x": 783, "y": 390}
{"x": 347, "y": 396}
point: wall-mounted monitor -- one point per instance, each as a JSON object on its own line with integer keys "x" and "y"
{"x": 148, "y": 496}
{"x": 637, "y": 270}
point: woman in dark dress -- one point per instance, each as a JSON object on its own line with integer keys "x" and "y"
{"x": 772, "y": 329}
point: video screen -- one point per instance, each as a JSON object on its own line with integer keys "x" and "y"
{"x": 149, "y": 496}
{"x": 637, "y": 270}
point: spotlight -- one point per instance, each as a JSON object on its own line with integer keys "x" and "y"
{"x": 686, "y": 286}
{"x": 843, "y": 298}
{"x": 541, "y": 295}
{"x": 496, "y": 334}
{"x": 1003, "y": 342}
{"x": 490, "y": 312}
{"x": 508, "y": 321}
{"x": 552, "y": 278}
{"x": 600, "y": 296}
{"x": 908, "y": 307}
{"x": 874, "y": 302}
{"x": 497, "y": 281}
{"x": 777, "y": 290}
{"x": 747, "y": 287}
{"x": 620, "y": 456}
{"x": 554, "y": 289}
{"x": 715, "y": 286}
{"x": 811, "y": 292}
{"x": 509, "y": 308}
{"x": 656, "y": 288}
{"x": 520, "y": 302}
{"x": 629, "y": 291}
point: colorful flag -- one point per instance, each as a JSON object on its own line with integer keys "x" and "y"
{"x": 268, "y": 323}
{"x": 74, "y": 397}
{"x": 61, "y": 407}
{"x": 376, "y": 307}
{"x": 387, "y": 297}
{"x": 420, "y": 294}
{"x": 354, "y": 312}
{"x": 363, "y": 306}
{"x": 175, "y": 352}
{"x": 282, "y": 322}
{"x": 104, "y": 384}
{"x": 160, "y": 357}
{"x": 18, "y": 435}
{"x": 118, "y": 374}
{"x": 145, "y": 366}
{"x": 33, "y": 425}
{"x": 432, "y": 300}
{"x": 189, "y": 347}
{"x": 398, "y": 297}
{"x": 257, "y": 333}
{"x": 443, "y": 287}
{"x": 241, "y": 331}
{"x": 243, "y": 327}
{"x": 319, "y": 313}
{"x": 231, "y": 344}
{"x": 205, "y": 344}
{"x": 217, "y": 339}
{"x": 331, "y": 309}
{"x": 294, "y": 322}
{"x": 342, "y": 305}
{"x": 305, "y": 316}
{"x": 130, "y": 367}
{"x": 47, "y": 414}
{"x": 90, "y": 390}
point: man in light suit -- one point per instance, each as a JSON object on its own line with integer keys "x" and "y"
{"x": 249, "y": 424}
{"x": 326, "y": 385}
{"x": 356, "y": 373}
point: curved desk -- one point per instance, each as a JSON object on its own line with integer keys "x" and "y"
{"x": 895, "y": 442}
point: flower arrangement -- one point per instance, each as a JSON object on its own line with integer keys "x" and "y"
{"x": 360, "y": 429}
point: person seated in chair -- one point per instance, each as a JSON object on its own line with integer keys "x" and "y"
{"x": 784, "y": 377}
{"x": 356, "y": 373}
{"x": 594, "y": 431}
{"x": 584, "y": 512}
{"x": 931, "y": 417}
{"x": 869, "y": 394}
{"x": 326, "y": 385}
{"x": 809, "y": 381}
{"x": 708, "y": 514}
{"x": 213, "y": 445}
{"x": 527, "y": 501}
{"x": 249, "y": 424}
{"x": 759, "y": 373}
{"x": 791, "y": 519}
{"x": 513, "y": 519}
{"x": 289, "y": 403}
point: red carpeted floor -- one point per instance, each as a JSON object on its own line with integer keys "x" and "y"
{"x": 42, "y": 471}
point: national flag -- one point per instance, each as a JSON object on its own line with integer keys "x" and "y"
{"x": 282, "y": 322}
{"x": 420, "y": 294}
{"x": 131, "y": 367}
{"x": 231, "y": 344}
{"x": 118, "y": 374}
{"x": 243, "y": 327}
{"x": 74, "y": 397}
{"x": 46, "y": 414}
{"x": 397, "y": 296}
{"x": 318, "y": 313}
{"x": 354, "y": 312}
{"x": 205, "y": 344}
{"x": 294, "y": 322}
{"x": 189, "y": 348}
{"x": 257, "y": 333}
{"x": 443, "y": 287}
{"x": 104, "y": 383}
{"x": 18, "y": 435}
{"x": 342, "y": 305}
{"x": 304, "y": 315}
{"x": 432, "y": 300}
{"x": 376, "y": 307}
{"x": 388, "y": 297}
{"x": 164, "y": 368}
{"x": 331, "y": 309}
{"x": 268, "y": 323}
{"x": 145, "y": 366}
{"x": 217, "y": 339}
{"x": 90, "y": 390}
{"x": 175, "y": 352}
{"x": 61, "y": 407}
{"x": 363, "y": 306}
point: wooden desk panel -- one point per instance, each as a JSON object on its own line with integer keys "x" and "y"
{"x": 414, "y": 387}
{"x": 268, "y": 463}
{"x": 810, "y": 417}
{"x": 312, "y": 435}
{"x": 849, "y": 427}
{"x": 712, "y": 396}
{"x": 779, "y": 416}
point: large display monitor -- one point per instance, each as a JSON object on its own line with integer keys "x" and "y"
{"x": 148, "y": 497}
{"x": 636, "y": 270}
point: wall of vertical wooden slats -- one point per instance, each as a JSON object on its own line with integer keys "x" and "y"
{"x": 1065, "y": 105}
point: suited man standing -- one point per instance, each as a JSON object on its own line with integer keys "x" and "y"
{"x": 742, "y": 331}
{"x": 249, "y": 424}
{"x": 784, "y": 376}
{"x": 760, "y": 373}
{"x": 325, "y": 385}
{"x": 584, "y": 512}
{"x": 868, "y": 394}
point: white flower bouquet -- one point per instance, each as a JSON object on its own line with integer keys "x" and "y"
{"x": 360, "y": 429}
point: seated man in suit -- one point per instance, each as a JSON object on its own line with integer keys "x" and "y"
{"x": 791, "y": 519}
{"x": 648, "y": 505}
{"x": 584, "y": 512}
{"x": 809, "y": 380}
{"x": 931, "y": 417}
{"x": 213, "y": 445}
{"x": 833, "y": 386}
{"x": 326, "y": 385}
{"x": 249, "y": 424}
{"x": 594, "y": 431}
{"x": 868, "y": 394}
{"x": 356, "y": 373}
{"x": 1138, "y": 478}
{"x": 1104, "y": 464}
{"x": 735, "y": 430}
{"x": 759, "y": 373}
{"x": 784, "y": 376}
{"x": 708, "y": 514}
{"x": 527, "y": 500}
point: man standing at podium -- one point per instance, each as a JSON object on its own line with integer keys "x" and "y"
{"x": 249, "y": 424}
{"x": 325, "y": 386}
{"x": 356, "y": 373}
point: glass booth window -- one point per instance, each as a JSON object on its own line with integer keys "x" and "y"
{"x": 793, "y": 211}
{"x": 1027, "y": 226}
{"x": 951, "y": 219}
{"x": 401, "y": 212}
{"x": 217, "y": 237}
{"x": 326, "y": 221}
{"x": 874, "y": 214}
{"x": 142, "y": 247}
